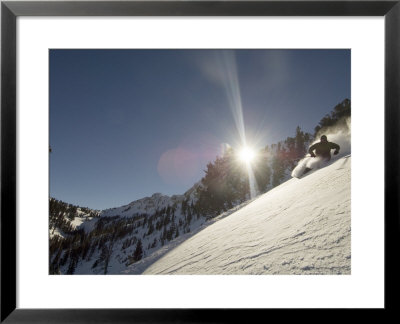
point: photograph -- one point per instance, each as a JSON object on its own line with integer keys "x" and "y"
{"x": 191, "y": 161}
{"x": 199, "y": 161}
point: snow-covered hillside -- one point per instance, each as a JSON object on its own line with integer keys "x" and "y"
{"x": 300, "y": 227}
{"x": 66, "y": 218}
{"x": 110, "y": 240}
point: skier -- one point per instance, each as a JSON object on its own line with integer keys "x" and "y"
{"x": 323, "y": 149}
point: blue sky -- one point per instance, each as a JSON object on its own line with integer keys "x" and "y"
{"x": 125, "y": 124}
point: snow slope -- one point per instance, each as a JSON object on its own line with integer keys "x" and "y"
{"x": 302, "y": 226}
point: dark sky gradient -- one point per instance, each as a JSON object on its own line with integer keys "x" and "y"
{"x": 125, "y": 124}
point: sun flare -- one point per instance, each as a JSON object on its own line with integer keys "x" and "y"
{"x": 246, "y": 154}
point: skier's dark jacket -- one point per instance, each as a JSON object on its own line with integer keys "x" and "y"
{"x": 323, "y": 149}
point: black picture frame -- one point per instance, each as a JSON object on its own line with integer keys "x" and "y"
{"x": 10, "y": 10}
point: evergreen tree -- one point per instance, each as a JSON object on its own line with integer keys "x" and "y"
{"x": 224, "y": 183}
{"x": 72, "y": 264}
{"x": 151, "y": 229}
{"x": 300, "y": 140}
{"x": 339, "y": 113}
{"x": 262, "y": 171}
{"x": 138, "y": 253}
{"x": 278, "y": 166}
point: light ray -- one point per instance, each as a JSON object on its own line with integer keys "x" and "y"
{"x": 232, "y": 89}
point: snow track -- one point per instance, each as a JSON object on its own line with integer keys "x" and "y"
{"x": 300, "y": 227}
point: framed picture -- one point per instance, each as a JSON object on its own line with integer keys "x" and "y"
{"x": 156, "y": 42}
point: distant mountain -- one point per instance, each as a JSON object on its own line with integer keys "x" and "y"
{"x": 150, "y": 205}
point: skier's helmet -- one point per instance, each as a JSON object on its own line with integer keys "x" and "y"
{"x": 324, "y": 138}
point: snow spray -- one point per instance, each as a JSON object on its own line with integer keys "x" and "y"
{"x": 339, "y": 134}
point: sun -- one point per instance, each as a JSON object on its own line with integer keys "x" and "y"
{"x": 246, "y": 154}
